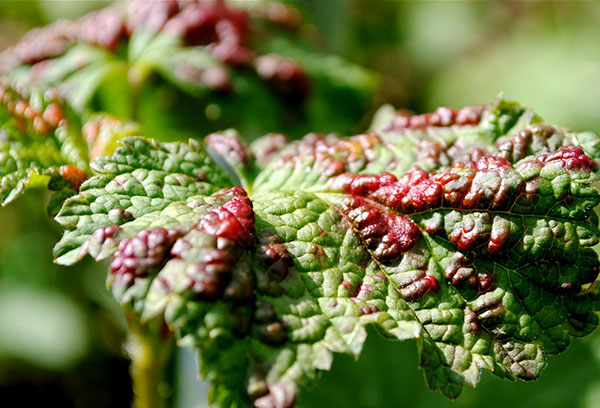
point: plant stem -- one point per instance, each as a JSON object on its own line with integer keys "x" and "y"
{"x": 150, "y": 348}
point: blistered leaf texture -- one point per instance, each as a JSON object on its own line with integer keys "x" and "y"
{"x": 470, "y": 231}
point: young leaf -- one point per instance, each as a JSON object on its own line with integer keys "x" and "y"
{"x": 177, "y": 67}
{"x": 470, "y": 231}
{"x": 40, "y": 143}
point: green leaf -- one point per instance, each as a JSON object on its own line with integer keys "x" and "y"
{"x": 40, "y": 144}
{"x": 136, "y": 183}
{"x": 482, "y": 254}
{"x": 485, "y": 260}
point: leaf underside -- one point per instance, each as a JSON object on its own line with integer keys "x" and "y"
{"x": 469, "y": 231}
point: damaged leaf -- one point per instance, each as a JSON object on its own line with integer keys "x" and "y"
{"x": 470, "y": 231}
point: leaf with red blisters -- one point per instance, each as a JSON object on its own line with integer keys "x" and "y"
{"x": 502, "y": 209}
{"x": 335, "y": 234}
{"x": 41, "y": 143}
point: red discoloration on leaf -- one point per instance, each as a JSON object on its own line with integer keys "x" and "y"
{"x": 103, "y": 28}
{"x": 473, "y": 184}
{"x": 569, "y": 157}
{"x": 147, "y": 250}
{"x": 461, "y": 272}
{"x": 471, "y": 322}
{"x": 15, "y": 99}
{"x": 119, "y": 215}
{"x": 386, "y": 233}
{"x": 491, "y": 313}
{"x": 53, "y": 115}
{"x": 499, "y": 237}
{"x": 332, "y": 154}
{"x": 538, "y": 139}
{"x": 215, "y": 24}
{"x": 420, "y": 287}
{"x": 216, "y": 78}
{"x": 346, "y": 285}
{"x": 442, "y": 117}
{"x": 484, "y": 282}
{"x": 459, "y": 275}
{"x": 101, "y": 237}
{"x": 234, "y": 220}
{"x": 231, "y": 148}
{"x": 472, "y": 231}
{"x": 74, "y": 175}
{"x": 364, "y": 291}
{"x": 102, "y": 234}
{"x": 204, "y": 279}
{"x": 415, "y": 191}
{"x": 220, "y": 27}
{"x": 268, "y": 146}
{"x": 319, "y": 253}
{"x": 151, "y": 15}
{"x": 210, "y": 269}
{"x": 275, "y": 261}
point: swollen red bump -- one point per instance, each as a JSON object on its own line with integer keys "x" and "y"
{"x": 234, "y": 220}
{"x": 386, "y": 233}
{"x": 275, "y": 256}
{"x": 420, "y": 287}
{"x": 442, "y": 117}
{"x": 146, "y": 251}
{"x": 570, "y": 157}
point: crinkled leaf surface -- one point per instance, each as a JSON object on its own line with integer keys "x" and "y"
{"x": 470, "y": 231}
{"x": 40, "y": 143}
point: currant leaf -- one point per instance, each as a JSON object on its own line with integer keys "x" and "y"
{"x": 138, "y": 181}
{"x": 40, "y": 143}
{"x": 470, "y": 231}
{"x": 486, "y": 257}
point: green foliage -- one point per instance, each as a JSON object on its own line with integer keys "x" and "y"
{"x": 482, "y": 253}
{"x": 173, "y": 72}
{"x": 41, "y": 143}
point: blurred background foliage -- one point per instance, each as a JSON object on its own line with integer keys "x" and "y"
{"x": 60, "y": 331}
